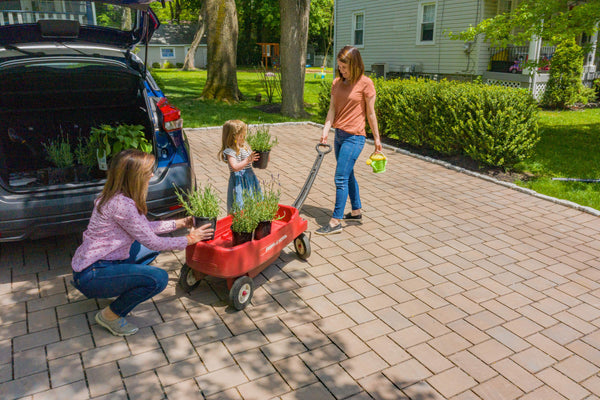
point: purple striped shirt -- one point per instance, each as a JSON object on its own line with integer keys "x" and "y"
{"x": 111, "y": 233}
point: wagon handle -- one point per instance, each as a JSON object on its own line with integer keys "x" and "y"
{"x": 311, "y": 177}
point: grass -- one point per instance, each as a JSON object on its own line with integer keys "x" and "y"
{"x": 184, "y": 89}
{"x": 569, "y": 145}
{"x": 569, "y": 148}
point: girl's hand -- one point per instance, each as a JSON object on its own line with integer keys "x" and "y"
{"x": 197, "y": 234}
{"x": 253, "y": 157}
{"x": 323, "y": 138}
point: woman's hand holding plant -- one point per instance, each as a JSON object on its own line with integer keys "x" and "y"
{"x": 198, "y": 234}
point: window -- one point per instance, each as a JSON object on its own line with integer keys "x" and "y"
{"x": 504, "y": 6}
{"x": 426, "y": 24}
{"x": 167, "y": 52}
{"x": 359, "y": 29}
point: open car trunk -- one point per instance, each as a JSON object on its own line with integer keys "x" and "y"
{"x": 40, "y": 102}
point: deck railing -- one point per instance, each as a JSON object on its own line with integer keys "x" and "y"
{"x": 30, "y": 17}
{"x": 512, "y": 59}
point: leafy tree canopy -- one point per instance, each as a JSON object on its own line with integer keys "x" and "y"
{"x": 553, "y": 20}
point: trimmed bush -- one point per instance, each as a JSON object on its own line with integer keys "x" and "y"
{"x": 564, "y": 87}
{"x": 155, "y": 64}
{"x": 494, "y": 125}
{"x": 167, "y": 65}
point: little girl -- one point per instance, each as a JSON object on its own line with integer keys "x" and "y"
{"x": 239, "y": 156}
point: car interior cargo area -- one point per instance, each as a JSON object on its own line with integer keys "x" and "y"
{"x": 49, "y": 112}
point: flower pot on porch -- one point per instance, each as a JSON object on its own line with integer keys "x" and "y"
{"x": 241, "y": 237}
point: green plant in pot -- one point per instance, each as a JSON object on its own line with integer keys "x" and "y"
{"x": 85, "y": 159}
{"x": 267, "y": 207}
{"x": 110, "y": 140}
{"x": 261, "y": 141}
{"x": 244, "y": 219}
{"x": 58, "y": 152}
{"x": 202, "y": 204}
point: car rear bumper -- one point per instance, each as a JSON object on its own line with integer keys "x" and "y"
{"x": 30, "y": 216}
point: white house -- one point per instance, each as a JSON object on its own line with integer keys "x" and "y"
{"x": 399, "y": 37}
{"x": 171, "y": 43}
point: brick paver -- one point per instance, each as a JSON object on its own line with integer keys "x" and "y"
{"x": 453, "y": 286}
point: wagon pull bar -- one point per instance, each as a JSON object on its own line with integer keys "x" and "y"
{"x": 311, "y": 177}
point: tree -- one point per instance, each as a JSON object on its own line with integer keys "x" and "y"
{"x": 188, "y": 62}
{"x": 320, "y": 27}
{"x": 294, "y": 36}
{"x": 222, "y": 35}
{"x": 555, "y": 21}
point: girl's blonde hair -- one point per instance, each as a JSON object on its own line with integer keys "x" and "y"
{"x": 232, "y": 130}
{"x": 129, "y": 173}
{"x": 351, "y": 56}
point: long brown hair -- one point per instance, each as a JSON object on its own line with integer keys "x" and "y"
{"x": 128, "y": 174}
{"x": 351, "y": 56}
{"x": 232, "y": 130}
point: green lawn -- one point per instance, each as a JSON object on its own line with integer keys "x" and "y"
{"x": 569, "y": 145}
{"x": 569, "y": 148}
{"x": 184, "y": 88}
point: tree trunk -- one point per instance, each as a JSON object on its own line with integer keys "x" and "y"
{"x": 294, "y": 38}
{"x": 189, "y": 62}
{"x": 222, "y": 35}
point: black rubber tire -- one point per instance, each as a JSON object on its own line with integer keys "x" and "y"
{"x": 187, "y": 280}
{"x": 241, "y": 292}
{"x": 302, "y": 246}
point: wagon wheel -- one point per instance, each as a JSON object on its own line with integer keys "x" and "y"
{"x": 187, "y": 279}
{"x": 302, "y": 246}
{"x": 241, "y": 292}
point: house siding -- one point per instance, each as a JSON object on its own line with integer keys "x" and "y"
{"x": 154, "y": 54}
{"x": 390, "y": 34}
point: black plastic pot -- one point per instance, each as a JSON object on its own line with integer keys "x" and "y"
{"x": 262, "y": 230}
{"x": 262, "y": 161}
{"x": 199, "y": 221}
{"x": 61, "y": 175}
{"x": 82, "y": 173}
{"x": 241, "y": 237}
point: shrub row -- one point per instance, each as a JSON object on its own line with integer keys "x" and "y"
{"x": 493, "y": 125}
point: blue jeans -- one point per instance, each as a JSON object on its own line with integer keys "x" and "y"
{"x": 132, "y": 281}
{"x": 347, "y": 148}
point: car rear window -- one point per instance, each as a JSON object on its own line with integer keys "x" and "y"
{"x": 15, "y": 12}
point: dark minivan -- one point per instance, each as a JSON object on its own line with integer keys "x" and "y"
{"x": 67, "y": 67}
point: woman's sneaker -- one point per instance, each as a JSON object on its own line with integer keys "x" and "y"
{"x": 328, "y": 229}
{"x": 118, "y": 327}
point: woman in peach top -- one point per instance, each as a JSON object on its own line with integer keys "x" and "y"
{"x": 352, "y": 102}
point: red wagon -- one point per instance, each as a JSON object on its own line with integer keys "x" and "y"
{"x": 239, "y": 264}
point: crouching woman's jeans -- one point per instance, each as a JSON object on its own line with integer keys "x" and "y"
{"x": 131, "y": 281}
{"x": 347, "y": 148}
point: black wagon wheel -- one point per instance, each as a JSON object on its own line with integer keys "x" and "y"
{"x": 187, "y": 279}
{"x": 241, "y": 292}
{"x": 302, "y": 246}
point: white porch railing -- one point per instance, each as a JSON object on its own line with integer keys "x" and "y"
{"x": 30, "y": 17}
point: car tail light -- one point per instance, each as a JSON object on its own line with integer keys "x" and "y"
{"x": 171, "y": 116}
{"x": 173, "y": 208}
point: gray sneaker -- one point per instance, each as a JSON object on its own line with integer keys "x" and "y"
{"x": 118, "y": 327}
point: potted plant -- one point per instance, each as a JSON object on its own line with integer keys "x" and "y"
{"x": 201, "y": 204}
{"x": 267, "y": 206}
{"x": 261, "y": 141}
{"x": 59, "y": 153}
{"x": 244, "y": 220}
{"x": 109, "y": 140}
{"x": 85, "y": 159}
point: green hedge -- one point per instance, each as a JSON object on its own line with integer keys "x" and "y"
{"x": 494, "y": 125}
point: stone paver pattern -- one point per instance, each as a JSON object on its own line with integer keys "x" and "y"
{"x": 452, "y": 287}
